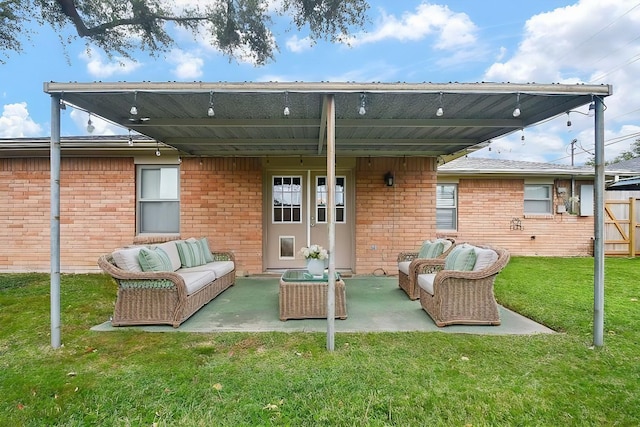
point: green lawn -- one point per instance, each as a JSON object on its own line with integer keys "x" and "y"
{"x": 130, "y": 378}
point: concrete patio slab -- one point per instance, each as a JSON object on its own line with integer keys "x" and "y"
{"x": 374, "y": 304}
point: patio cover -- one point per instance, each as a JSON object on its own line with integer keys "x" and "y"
{"x": 325, "y": 119}
{"x": 400, "y": 118}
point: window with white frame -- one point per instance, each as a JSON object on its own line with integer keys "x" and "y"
{"x": 287, "y": 199}
{"x": 321, "y": 199}
{"x": 447, "y": 207}
{"x": 538, "y": 199}
{"x": 158, "y": 196}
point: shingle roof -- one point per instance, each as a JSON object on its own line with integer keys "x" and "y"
{"x": 476, "y": 165}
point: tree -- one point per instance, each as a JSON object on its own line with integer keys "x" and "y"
{"x": 625, "y": 155}
{"x": 236, "y": 27}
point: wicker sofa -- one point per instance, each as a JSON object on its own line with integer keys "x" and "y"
{"x": 463, "y": 295}
{"x": 186, "y": 276}
{"x": 407, "y": 262}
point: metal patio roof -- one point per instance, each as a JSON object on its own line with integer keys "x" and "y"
{"x": 400, "y": 118}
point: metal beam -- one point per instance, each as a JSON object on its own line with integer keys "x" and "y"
{"x": 598, "y": 248}
{"x": 331, "y": 216}
{"x": 55, "y": 221}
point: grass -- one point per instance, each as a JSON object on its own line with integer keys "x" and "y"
{"x": 131, "y": 378}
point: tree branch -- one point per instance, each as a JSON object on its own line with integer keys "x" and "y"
{"x": 69, "y": 9}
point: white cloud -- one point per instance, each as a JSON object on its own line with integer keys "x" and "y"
{"x": 98, "y": 68}
{"x": 15, "y": 122}
{"x": 452, "y": 30}
{"x": 588, "y": 42}
{"x": 296, "y": 45}
{"x": 187, "y": 65}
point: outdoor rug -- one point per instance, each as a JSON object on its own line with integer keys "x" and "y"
{"x": 374, "y": 304}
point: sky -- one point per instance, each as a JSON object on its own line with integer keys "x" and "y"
{"x": 542, "y": 41}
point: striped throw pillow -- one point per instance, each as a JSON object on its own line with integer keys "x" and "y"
{"x": 461, "y": 258}
{"x": 190, "y": 253}
{"x": 154, "y": 260}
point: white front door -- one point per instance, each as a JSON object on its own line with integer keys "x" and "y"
{"x": 297, "y": 217}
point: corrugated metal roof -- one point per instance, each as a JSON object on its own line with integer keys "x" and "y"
{"x": 400, "y": 118}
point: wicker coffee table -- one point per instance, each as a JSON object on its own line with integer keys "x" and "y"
{"x": 304, "y": 296}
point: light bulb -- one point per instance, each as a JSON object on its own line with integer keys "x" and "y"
{"x": 592, "y": 109}
{"x": 133, "y": 111}
{"x": 90, "y": 127}
{"x": 516, "y": 112}
{"x": 286, "y": 111}
{"x": 362, "y": 111}
{"x": 210, "y": 112}
{"x": 439, "y": 112}
{"x": 158, "y": 152}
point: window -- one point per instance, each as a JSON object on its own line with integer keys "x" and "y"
{"x": 158, "y": 199}
{"x": 537, "y": 199}
{"x": 287, "y": 199}
{"x": 321, "y": 199}
{"x": 447, "y": 207}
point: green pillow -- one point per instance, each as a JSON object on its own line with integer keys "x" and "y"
{"x": 204, "y": 248}
{"x": 431, "y": 249}
{"x": 190, "y": 253}
{"x": 461, "y": 258}
{"x": 154, "y": 260}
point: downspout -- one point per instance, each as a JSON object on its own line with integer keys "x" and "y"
{"x": 55, "y": 221}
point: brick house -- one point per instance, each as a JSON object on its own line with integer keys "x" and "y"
{"x": 253, "y": 180}
{"x": 529, "y": 208}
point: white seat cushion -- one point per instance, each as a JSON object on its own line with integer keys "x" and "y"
{"x": 219, "y": 268}
{"x": 403, "y": 266}
{"x": 425, "y": 281}
{"x": 196, "y": 280}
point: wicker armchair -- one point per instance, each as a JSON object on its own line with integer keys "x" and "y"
{"x": 460, "y": 297}
{"x": 406, "y": 273}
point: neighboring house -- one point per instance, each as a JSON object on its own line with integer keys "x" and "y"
{"x": 529, "y": 208}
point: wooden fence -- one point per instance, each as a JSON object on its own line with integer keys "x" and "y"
{"x": 621, "y": 227}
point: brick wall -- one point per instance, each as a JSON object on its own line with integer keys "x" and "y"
{"x": 97, "y": 210}
{"x": 486, "y": 208}
{"x": 392, "y": 219}
{"x": 221, "y": 199}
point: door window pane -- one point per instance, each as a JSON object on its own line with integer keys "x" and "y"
{"x": 287, "y": 199}
{"x": 321, "y": 199}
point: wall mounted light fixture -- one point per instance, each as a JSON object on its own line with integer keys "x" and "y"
{"x": 388, "y": 179}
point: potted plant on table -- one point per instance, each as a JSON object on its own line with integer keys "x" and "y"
{"x": 315, "y": 256}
